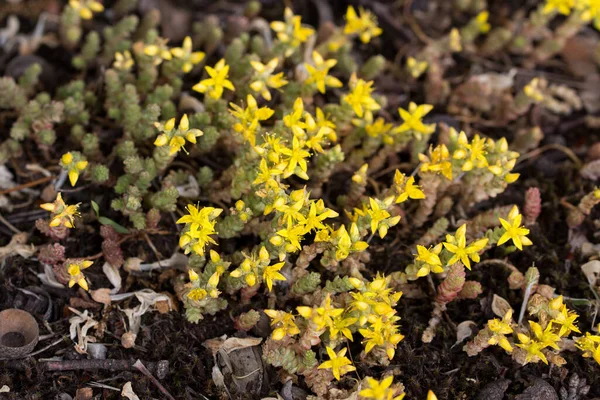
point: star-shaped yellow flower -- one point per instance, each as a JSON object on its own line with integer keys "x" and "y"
{"x": 514, "y": 230}
{"x": 338, "y": 363}
{"x": 217, "y": 82}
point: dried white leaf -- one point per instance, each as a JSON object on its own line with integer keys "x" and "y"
{"x": 218, "y": 378}
{"x": 17, "y": 246}
{"x": 76, "y": 330}
{"x": 591, "y": 270}
{"x": 49, "y": 279}
{"x": 6, "y": 177}
{"x": 4, "y": 389}
{"x": 147, "y": 299}
{"x": 128, "y": 392}
{"x": 177, "y": 261}
{"x": 101, "y": 296}
{"x": 500, "y": 306}
{"x": 463, "y": 331}
{"x": 231, "y": 344}
{"x": 113, "y": 276}
{"x": 591, "y": 170}
{"x": 189, "y": 190}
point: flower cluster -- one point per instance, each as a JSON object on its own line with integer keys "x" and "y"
{"x": 542, "y": 340}
{"x": 62, "y": 214}
{"x": 175, "y": 137}
{"x": 472, "y": 159}
{"x": 199, "y": 226}
{"x": 74, "y": 163}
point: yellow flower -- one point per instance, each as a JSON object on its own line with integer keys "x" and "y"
{"x": 561, "y": 6}
{"x": 123, "y": 61}
{"x": 545, "y": 336}
{"x": 86, "y": 8}
{"x": 290, "y": 31}
{"x": 590, "y": 345}
{"x": 338, "y": 363}
{"x": 365, "y": 25}
{"x": 248, "y": 119}
{"x": 158, "y": 51}
{"x": 406, "y": 188}
{"x": 384, "y": 333}
{"x": 271, "y": 273}
{"x": 532, "y": 347}
{"x": 220, "y": 268}
{"x": 473, "y": 153}
{"x": 380, "y": 390}
{"x": 430, "y": 260}
{"x": 318, "y": 73}
{"x": 293, "y": 236}
{"x": 197, "y": 294}
{"x": 185, "y": 53}
{"x": 74, "y": 162}
{"x": 296, "y": 158}
{"x": 563, "y": 317}
{"x": 317, "y": 212}
{"x": 200, "y": 226}
{"x": 339, "y": 325}
{"x": 416, "y": 68}
{"x": 482, "y": 22}
{"x": 535, "y": 90}
{"x": 62, "y": 214}
{"x": 360, "y": 96}
{"x": 439, "y": 161}
{"x": 267, "y": 175}
{"x": 500, "y": 328}
{"x": 590, "y": 11}
{"x": 75, "y": 274}
{"x": 514, "y": 231}
{"x": 458, "y": 246}
{"x": 380, "y": 218}
{"x": 284, "y": 322}
{"x": 176, "y": 138}
{"x": 323, "y": 315}
{"x": 413, "y": 120}
{"x": 264, "y": 78}
{"x": 431, "y": 395}
{"x": 217, "y": 82}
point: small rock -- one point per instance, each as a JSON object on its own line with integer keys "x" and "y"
{"x": 540, "y": 390}
{"x": 494, "y": 390}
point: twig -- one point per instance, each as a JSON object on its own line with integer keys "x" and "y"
{"x": 26, "y": 185}
{"x": 553, "y": 146}
{"x": 142, "y": 368}
{"x": 47, "y": 347}
{"x": 161, "y": 368}
{"x": 9, "y": 225}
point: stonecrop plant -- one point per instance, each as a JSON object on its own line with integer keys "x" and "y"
{"x": 261, "y": 154}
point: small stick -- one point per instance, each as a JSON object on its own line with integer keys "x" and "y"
{"x": 161, "y": 368}
{"x": 140, "y": 367}
{"x": 9, "y": 225}
{"x": 26, "y": 185}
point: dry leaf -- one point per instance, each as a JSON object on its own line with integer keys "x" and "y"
{"x": 4, "y": 389}
{"x": 113, "y": 276}
{"x": 48, "y": 278}
{"x": 591, "y": 270}
{"x": 101, "y": 296}
{"x": 17, "y": 246}
{"x": 128, "y": 392}
{"x": 231, "y": 344}
{"x": 463, "y": 331}
{"x": 500, "y": 306}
